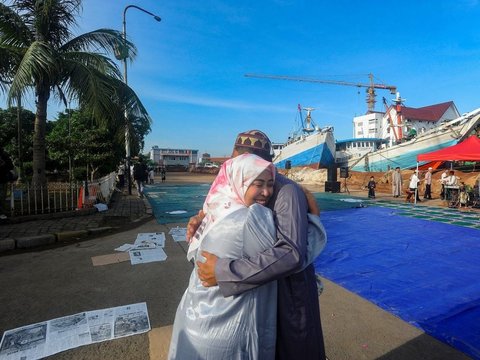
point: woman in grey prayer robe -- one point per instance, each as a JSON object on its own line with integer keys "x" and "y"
{"x": 397, "y": 182}
{"x": 237, "y": 225}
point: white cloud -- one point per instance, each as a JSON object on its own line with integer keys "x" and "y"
{"x": 173, "y": 95}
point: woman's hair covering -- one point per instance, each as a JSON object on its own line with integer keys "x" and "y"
{"x": 255, "y": 142}
{"x": 227, "y": 192}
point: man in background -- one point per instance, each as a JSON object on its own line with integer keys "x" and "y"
{"x": 140, "y": 175}
{"x": 397, "y": 182}
{"x": 413, "y": 186}
{"x": 428, "y": 184}
{"x": 443, "y": 181}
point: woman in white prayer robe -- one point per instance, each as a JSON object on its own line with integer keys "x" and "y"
{"x": 236, "y": 225}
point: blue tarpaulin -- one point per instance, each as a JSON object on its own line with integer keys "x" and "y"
{"x": 424, "y": 272}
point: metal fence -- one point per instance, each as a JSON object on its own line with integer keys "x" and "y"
{"x": 26, "y": 199}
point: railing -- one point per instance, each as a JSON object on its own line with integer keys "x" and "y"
{"x": 27, "y": 199}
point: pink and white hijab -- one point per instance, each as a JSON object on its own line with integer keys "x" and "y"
{"x": 227, "y": 193}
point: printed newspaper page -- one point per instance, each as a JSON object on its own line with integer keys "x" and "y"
{"x": 146, "y": 256}
{"x": 178, "y": 234}
{"x": 39, "y": 340}
{"x": 155, "y": 238}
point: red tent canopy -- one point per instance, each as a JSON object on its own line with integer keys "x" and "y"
{"x": 468, "y": 149}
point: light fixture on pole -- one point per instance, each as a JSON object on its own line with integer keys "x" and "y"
{"x": 123, "y": 56}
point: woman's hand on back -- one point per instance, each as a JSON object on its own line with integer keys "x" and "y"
{"x": 193, "y": 225}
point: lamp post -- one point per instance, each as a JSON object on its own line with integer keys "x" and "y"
{"x": 125, "y": 79}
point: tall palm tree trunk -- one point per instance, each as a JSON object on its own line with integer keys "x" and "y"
{"x": 39, "y": 176}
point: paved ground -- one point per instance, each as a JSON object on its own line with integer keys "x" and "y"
{"x": 54, "y": 281}
{"x": 124, "y": 211}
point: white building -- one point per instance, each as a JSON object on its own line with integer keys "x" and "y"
{"x": 399, "y": 121}
{"x": 173, "y": 157}
{"x": 368, "y": 125}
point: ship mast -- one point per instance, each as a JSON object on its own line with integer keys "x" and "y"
{"x": 308, "y": 120}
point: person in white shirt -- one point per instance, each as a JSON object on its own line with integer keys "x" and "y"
{"x": 428, "y": 184}
{"x": 151, "y": 176}
{"x": 443, "y": 180}
{"x": 451, "y": 184}
{"x": 413, "y": 186}
{"x": 451, "y": 180}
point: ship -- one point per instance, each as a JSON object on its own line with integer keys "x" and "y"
{"x": 309, "y": 146}
{"x": 383, "y": 155}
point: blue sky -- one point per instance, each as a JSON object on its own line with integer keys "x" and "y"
{"x": 190, "y": 67}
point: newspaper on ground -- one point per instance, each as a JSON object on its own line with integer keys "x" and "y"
{"x": 146, "y": 248}
{"x": 155, "y": 238}
{"x": 46, "y": 338}
{"x": 178, "y": 234}
{"x": 146, "y": 256}
{"x": 125, "y": 247}
{"x": 101, "y": 207}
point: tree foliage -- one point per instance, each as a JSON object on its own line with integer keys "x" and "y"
{"x": 9, "y": 135}
{"x": 77, "y": 141}
{"x": 39, "y": 53}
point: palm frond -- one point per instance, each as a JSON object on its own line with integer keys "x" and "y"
{"x": 38, "y": 65}
{"x": 100, "y": 62}
{"x": 102, "y": 39}
{"x": 50, "y": 20}
{"x": 13, "y": 31}
{"x": 93, "y": 89}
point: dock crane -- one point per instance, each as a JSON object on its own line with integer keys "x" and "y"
{"x": 370, "y": 88}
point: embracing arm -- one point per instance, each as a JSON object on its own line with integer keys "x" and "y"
{"x": 286, "y": 257}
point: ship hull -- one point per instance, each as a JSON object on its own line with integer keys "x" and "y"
{"x": 405, "y": 154}
{"x": 315, "y": 150}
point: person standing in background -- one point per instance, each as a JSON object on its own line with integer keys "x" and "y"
{"x": 121, "y": 176}
{"x": 140, "y": 175}
{"x": 413, "y": 186}
{"x": 151, "y": 176}
{"x": 443, "y": 181}
{"x": 371, "y": 188}
{"x": 397, "y": 182}
{"x": 428, "y": 184}
{"x": 163, "y": 174}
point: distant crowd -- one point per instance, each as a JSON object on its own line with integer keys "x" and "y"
{"x": 141, "y": 175}
{"x": 451, "y": 188}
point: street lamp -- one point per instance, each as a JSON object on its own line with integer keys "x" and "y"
{"x": 124, "y": 56}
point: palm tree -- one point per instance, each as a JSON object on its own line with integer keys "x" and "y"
{"x": 39, "y": 53}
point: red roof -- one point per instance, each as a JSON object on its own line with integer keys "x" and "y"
{"x": 427, "y": 113}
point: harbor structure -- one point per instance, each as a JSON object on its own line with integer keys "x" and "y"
{"x": 170, "y": 157}
{"x": 310, "y": 145}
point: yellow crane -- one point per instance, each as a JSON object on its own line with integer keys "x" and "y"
{"x": 370, "y": 88}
